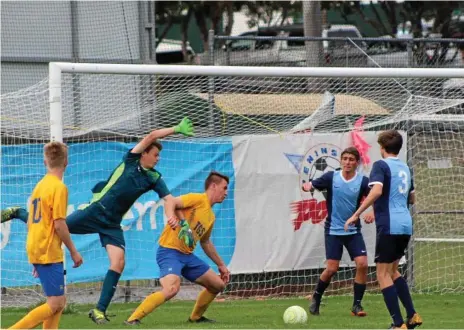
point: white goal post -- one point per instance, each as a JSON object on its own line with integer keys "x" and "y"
{"x": 259, "y": 125}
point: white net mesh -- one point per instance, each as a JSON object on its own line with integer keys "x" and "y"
{"x": 105, "y": 114}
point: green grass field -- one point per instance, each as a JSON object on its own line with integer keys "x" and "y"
{"x": 438, "y": 311}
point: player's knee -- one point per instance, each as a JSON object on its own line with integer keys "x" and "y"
{"x": 361, "y": 265}
{"x": 170, "y": 291}
{"x": 332, "y": 270}
{"x": 118, "y": 264}
{"x": 56, "y": 303}
{"x": 218, "y": 286}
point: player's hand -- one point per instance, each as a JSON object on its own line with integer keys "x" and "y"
{"x": 34, "y": 273}
{"x": 186, "y": 234}
{"x": 369, "y": 217}
{"x": 185, "y": 127}
{"x": 224, "y": 274}
{"x": 173, "y": 222}
{"x": 307, "y": 186}
{"x": 77, "y": 258}
{"x": 350, "y": 221}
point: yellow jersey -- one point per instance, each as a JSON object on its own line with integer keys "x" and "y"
{"x": 200, "y": 217}
{"x": 49, "y": 202}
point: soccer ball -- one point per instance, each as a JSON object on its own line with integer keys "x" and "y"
{"x": 295, "y": 314}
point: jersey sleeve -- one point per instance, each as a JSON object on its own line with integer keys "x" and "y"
{"x": 378, "y": 173}
{"x": 60, "y": 202}
{"x": 192, "y": 199}
{"x": 161, "y": 188}
{"x": 324, "y": 181}
{"x": 131, "y": 157}
{"x": 365, "y": 186}
{"x": 411, "y": 189}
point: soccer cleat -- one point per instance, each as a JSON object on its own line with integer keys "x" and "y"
{"x": 202, "y": 320}
{"x": 358, "y": 310}
{"x": 133, "y": 322}
{"x": 314, "y": 307}
{"x": 403, "y": 326}
{"x": 98, "y": 316}
{"x": 10, "y": 213}
{"x": 414, "y": 321}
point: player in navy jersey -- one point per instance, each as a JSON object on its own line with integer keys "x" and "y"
{"x": 345, "y": 190}
{"x": 392, "y": 190}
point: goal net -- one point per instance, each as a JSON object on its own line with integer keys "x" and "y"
{"x": 270, "y": 130}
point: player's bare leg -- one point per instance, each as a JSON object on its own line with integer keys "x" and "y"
{"x": 359, "y": 285}
{"x": 413, "y": 318}
{"x": 170, "y": 287}
{"x": 117, "y": 262}
{"x": 324, "y": 281}
{"x": 213, "y": 285}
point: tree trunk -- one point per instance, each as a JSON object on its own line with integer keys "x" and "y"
{"x": 201, "y": 22}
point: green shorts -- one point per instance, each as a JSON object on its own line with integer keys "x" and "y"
{"x": 93, "y": 220}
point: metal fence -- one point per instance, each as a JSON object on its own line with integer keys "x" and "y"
{"x": 283, "y": 50}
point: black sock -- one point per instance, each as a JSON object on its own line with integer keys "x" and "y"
{"x": 359, "y": 290}
{"x": 405, "y": 296}
{"x": 391, "y": 300}
{"x": 320, "y": 288}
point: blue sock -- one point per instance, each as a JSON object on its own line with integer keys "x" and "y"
{"x": 359, "y": 290}
{"x": 391, "y": 300}
{"x": 22, "y": 215}
{"x": 320, "y": 288}
{"x": 405, "y": 296}
{"x": 108, "y": 289}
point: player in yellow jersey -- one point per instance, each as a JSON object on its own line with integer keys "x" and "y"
{"x": 47, "y": 229}
{"x": 175, "y": 255}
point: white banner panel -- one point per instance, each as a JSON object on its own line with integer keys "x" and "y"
{"x": 280, "y": 227}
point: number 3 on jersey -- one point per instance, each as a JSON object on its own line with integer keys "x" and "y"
{"x": 36, "y": 212}
{"x": 403, "y": 186}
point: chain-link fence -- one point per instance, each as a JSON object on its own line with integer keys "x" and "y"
{"x": 285, "y": 50}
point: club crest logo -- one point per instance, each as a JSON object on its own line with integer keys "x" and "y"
{"x": 317, "y": 161}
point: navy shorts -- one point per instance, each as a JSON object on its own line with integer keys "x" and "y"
{"x": 52, "y": 278}
{"x": 92, "y": 220}
{"x": 390, "y": 248}
{"x": 354, "y": 245}
{"x": 171, "y": 261}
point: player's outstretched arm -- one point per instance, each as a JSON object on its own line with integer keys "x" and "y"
{"x": 211, "y": 252}
{"x": 61, "y": 229}
{"x": 374, "y": 194}
{"x": 185, "y": 127}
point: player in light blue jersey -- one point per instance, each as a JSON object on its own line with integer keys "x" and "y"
{"x": 345, "y": 190}
{"x": 392, "y": 191}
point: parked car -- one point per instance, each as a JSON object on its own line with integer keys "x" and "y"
{"x": 291, "y": 52}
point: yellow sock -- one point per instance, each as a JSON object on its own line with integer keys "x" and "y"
{"x": 147, "y": 306}
{"x": 204, "y": 299}
{"x": 34, "y": 317}
{"x": 53, "y": 321}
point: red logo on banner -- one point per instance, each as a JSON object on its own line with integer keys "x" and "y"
{"x": 308, "y": 210}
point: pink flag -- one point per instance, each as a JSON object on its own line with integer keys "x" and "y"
{"x": 359, "y": 142}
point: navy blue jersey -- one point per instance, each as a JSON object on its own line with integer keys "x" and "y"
{"x": 343, "y": 199}
{"x": 125, "y": 185}
{"x": 391, "y": 211}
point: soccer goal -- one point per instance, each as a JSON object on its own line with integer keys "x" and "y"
{"x": 269, "y": 129}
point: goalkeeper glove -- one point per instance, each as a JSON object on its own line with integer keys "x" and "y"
{"x": 185, "y": 127}
{"x": 186, "y": 234}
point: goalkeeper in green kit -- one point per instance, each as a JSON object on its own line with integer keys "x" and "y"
{"x": 112, "y": 198}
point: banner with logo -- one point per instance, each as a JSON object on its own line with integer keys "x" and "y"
{"x": 266, "y": 223}
{"x": 184, "y": 167}
{"x": 280, "y": 227}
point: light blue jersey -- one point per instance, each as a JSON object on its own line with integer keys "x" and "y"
{"x": 343, "y": 199}
{"x": 391, "y": 210}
